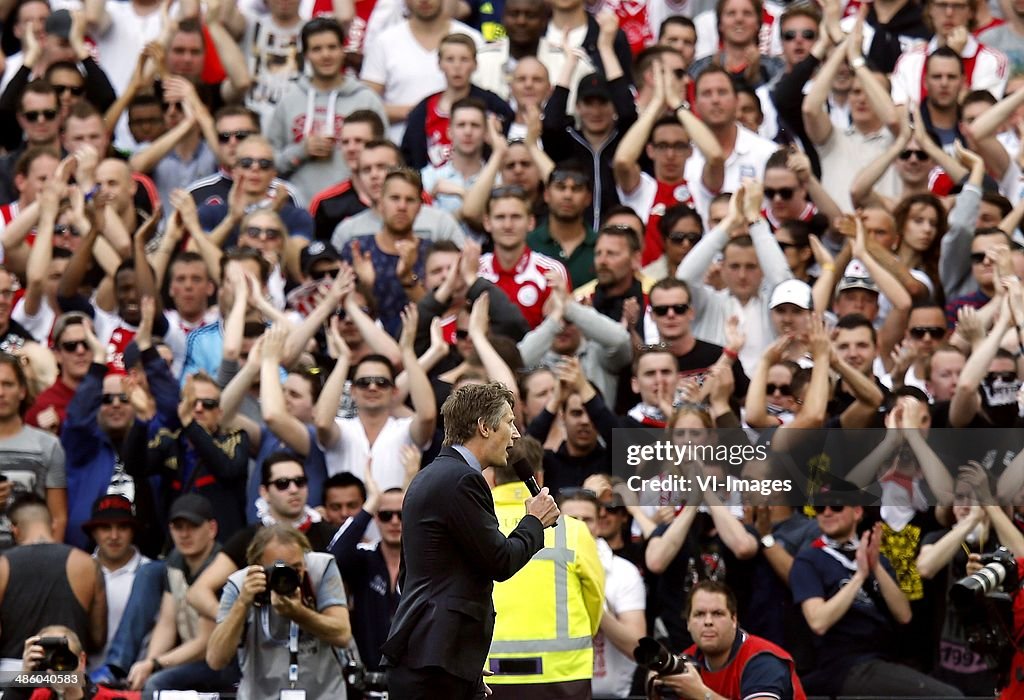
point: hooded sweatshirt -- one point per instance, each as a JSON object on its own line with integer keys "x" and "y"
{"x": 304, "y": 110}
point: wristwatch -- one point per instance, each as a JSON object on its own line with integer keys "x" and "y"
{"x": 768, "y": 541}
{"x": 414, "y": 279}
{"x": 858, "y": 62}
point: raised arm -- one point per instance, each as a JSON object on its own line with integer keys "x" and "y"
{"x": 494, "y": 365}
{"x": 422, "y": 394}
{"x": 474, "y": 203}
{"x": 285, "y": 426}
{"x": 862, "y": 190}
{"x": 966, "y": 401}
{"x": 326, "y": 409}
{"x": 816, "y": 119}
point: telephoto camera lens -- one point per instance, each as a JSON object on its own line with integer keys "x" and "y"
{"x": 58, "y": 656}
{"x": 652, "y": 655}
{"x": 282, "y": 579}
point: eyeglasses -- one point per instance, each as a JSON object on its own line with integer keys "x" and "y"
{"x": 66, "y": 230}
{"x": 684, "y": 237}
{"x": 785, "y": 193}
{"x": 269, "y": 234}
{"x": 208, "y": 404}
{"x": 283, "y": 483}
{"x": 935, "y": 332}
{"x": 461, "y": 334}
{"x": 262, "y": 163}
{"x": 663, "y": 309}
{"x": 226, "y": 136}
{"x": 76, "y": 90}
{"x": 40, "y": 115}
{"x": 111, "y": 398}
{"x": 386, "y": 515}
{"x": 367, "y": 382}
{"x": 784, "y": 389}
{"x": 73, "y": 345}
{"x": 808, "y": 34}
{"x": 676, "y": 147}
{"x": 978, "y": 258}
{"x": 913, "y": 153}
{"x": 340, "y": 313}
{"x": 834, "y": 507}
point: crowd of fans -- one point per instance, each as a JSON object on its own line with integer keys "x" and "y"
{"x": 249, "y": 248}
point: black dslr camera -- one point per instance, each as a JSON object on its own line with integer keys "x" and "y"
{"x": 281, "y": 579}
{"x": 655, "y": 657}
{"x": 370, "y": 685}
{"x": 58, "y": 656}
{"x": 984, "y": 603}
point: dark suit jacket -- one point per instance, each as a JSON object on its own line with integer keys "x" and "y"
{"x": 452, "y": 553}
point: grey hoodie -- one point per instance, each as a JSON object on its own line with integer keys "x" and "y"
{"x": 302, "y": 110}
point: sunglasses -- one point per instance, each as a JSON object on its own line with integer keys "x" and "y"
{"x": 676, "y": 147}
{"x": 208, "y": 404}
{"x": 263, "y": 163}
{"x": 834, "y": 507}
{"x": 808, "y": 34}
{"x": 663, "y": 309}
{"x": 40, "y": 115}
{"x": 461, "y": 334}
{"x": 283, "y": 483}
{"x": 935, "y": 332}
{"x": 226, "y": 136}
{"x": 783, "y": 193}
{"x": 323, "y": 274}
{"x": 269, "y": 234}
{"x": 73, "y": 345}
{"x": 788, "y": 246}
{"x": 613, "y": 510}
{"x": 1006, "y": 377}
{"x": 784, "y": 389}
{"x": 684, "y": 237}
{"x": 66, "y": 230}
{"x": 977, "y": 258}
{"x": 913, "y": 153}
{"x": 386, "y": 515}
{"x": 76, "y": 90}
{"x": 367, "y": 382}
{"x": 110, "y": 398}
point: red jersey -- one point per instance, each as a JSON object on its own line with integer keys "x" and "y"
{"x": 525, "y": 284}
{"x": 634, "y": 21}
{"x": 439, "y": 145}
{"x": 650, "y": 200}
{"x": 119, "y": 340}
{"x": 805, "y": 215}
{"x": 726, "y": 680}
{"x": 1015, "y": 690}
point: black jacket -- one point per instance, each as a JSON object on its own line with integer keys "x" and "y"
{"x": 452, "y": 553}
{"x": 414, "y": 143}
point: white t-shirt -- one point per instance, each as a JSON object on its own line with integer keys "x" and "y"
{"x": 353, "y": 447}
{"x": 38, "y": 325}
{"x": 623, "y": 592}
{"x": 408, "y": 72}
{"x": 119, "y": 586}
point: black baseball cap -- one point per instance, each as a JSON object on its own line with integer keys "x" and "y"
{"x": 191, "y": 507}
{"x": 593, "y": 85}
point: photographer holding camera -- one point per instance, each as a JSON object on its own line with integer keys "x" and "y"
{"x": 286, "y": 616}
{"x": 725, "y": 662}
{"x": 57, "y": 650}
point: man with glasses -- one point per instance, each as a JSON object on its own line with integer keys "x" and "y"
{"x": 38, "y": 116}
{"x": 233, "y": 125}
{"x": 12, "y": 335}
{"x": 71, "y": 351}
{"x": 849, "y": 596}
{"x": 371, "y": 571}
{"x": 284, "y": 490}
{"x": 926, "y": 331}
{"x": 989, "y": 247}
{"x": 669, "y": 143}
{"x": 254, "y": 176}
{"x": 203, "y": 457}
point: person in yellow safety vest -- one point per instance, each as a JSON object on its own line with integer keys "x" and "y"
{"x": 549, "y": 612}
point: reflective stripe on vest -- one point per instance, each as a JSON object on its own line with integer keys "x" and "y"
{"x": 562, "y": 556}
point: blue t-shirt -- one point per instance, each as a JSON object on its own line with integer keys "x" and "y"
{"x": 818, "y": 572}
{"x": 387, "y": 290}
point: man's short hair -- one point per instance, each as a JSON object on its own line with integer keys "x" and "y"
{"x": 801, "y": 9}
{"x": 444, "y": 246}
{"x": 319, "y": 25}
{"x": 278, "y": 532}
{"x": 779, "y": 159}
{"x": 1004, "y": 204}
{"x": 28, "y": 507}
{"x": 758, "y": 6}
{"x": 458, "y": 39}
{"x": 945, "y": 347}
{"x": 646, "y": 350}
{"x": 509, "y": 192}
{"x": 83, "y": 110}
{"x": 624, "y": 232}
{"x": 982, "y": 96}
{"x": 646, "y": 58}
{"x": 379, "y": 359}
{"x": 713, "y": 69}
{"x": 851, "y": 322}
{"x": 471, "y": 403}
{"x": 743, "y": 241}
{"x": 716, "y": 587}
{"x": 30, "y": 156}
{"x": 470, "y": 103}
{"x": 344, "y": 480}
{"x": 240, "y": 254}
{"x": 681, "y": 20}
{"x": 36, "y": 87}
{"x": 14, "y": 362}
{"x": 944, "y": 52}
{"x": 191, "y": 25}
{"x": 406, "y": 175}
{"x": 367, "y": 116}
{"x": 188, "y": 257}
{"x": 992, "y": 230}
{"x": 238, "y": 111}
{"x": 669, "y": 283}
{"x": 275, "y": 458}
{"x": 385, "y": 143}
{"x": 71, "y": 318}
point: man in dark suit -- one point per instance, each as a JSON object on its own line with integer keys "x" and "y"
{"x": 453, "y": 551}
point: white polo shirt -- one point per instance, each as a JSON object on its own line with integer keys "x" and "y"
{"x": 747, "y": 159}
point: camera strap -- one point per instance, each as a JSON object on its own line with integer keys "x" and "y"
{"x": 293, "y": 655}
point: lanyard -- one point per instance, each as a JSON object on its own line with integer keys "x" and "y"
{"x": 293, "y": 645}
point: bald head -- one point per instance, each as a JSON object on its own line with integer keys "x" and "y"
{"x": 117, "y": 187}
{"x": 530, "y": 81}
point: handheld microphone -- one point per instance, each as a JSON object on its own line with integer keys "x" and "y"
{"x": 525, "y": 474}
{"x": 524, "y": 471}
